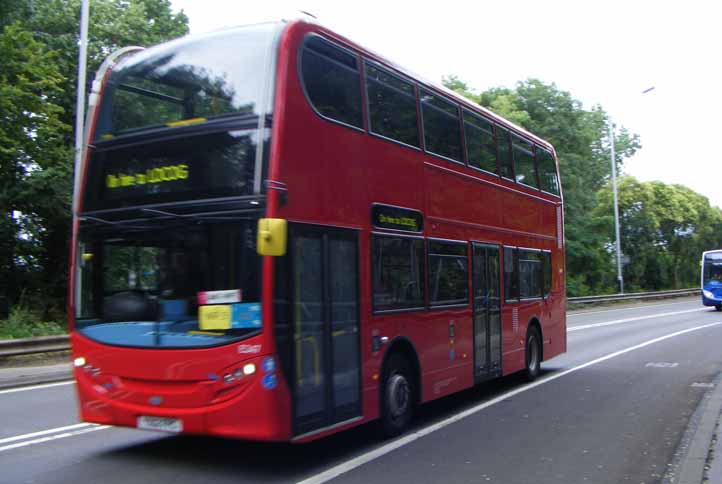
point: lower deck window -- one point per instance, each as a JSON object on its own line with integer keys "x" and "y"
{"x": 398, "y": 273}
{"x": 448, "y": 273}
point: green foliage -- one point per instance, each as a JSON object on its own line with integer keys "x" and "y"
{"x": 664, "y": 230}
{"x": 25, "y": 323}
{"x": 38, "y": 77}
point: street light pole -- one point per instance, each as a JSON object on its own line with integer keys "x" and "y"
{"x": 620, "y": 278}
{"x": 80, "y": 100}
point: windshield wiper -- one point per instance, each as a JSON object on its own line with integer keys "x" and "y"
{"x": 112, "y": 223}
{"x": 190, "y": 216}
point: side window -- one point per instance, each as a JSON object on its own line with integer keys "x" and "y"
{"x": 392, "y": 106}
{"x": 504, "y": 149}
{"x": 530, "y": 274}
{"x": 511, "y": 275}
{"x": 524, "y": 169}
{"x": 480, "y": 146}
{"x": 547, "y": 171}
{"x": 448, "y": 273}
{"x": 442, "y": 135}
{"x": 547, "y": 277}
{"x": 398, "y": 273}
{"x": 331, "y": 78}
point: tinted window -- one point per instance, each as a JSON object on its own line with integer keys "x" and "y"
{"x": 511, "y": 275}
{"x": 392, "y": 106}
{"x": 332, "y": 82}
{"x": 448, "y": 280}
{"x": 530, "y": 274}
{"x": 547, "y": 171}
{"x": 504, "y": 150}
{"x": 524, "y": 169}
{"x": 547, "y": 277}
{"x": 191, "y": 79}
{"x": 398, "y": 273}
{"x": 442, "y": 134}
{"x": 480, "y": 146}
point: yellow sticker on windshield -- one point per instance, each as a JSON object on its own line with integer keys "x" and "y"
{"x": 217, "y": 316}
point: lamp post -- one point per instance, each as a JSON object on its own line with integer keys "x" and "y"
{"x": 620, "y": 278}
{"x": 80, "y": 100}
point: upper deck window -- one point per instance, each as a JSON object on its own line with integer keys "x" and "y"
{"x": 331, "y": 78}
{"x": 547, "y": 171}
{"x": 503, "y": 147}
{"x": 392, "y": 106}
{"x": 480, "y": 147}
{"x": 189, "y": 81}
{"x": 524, "y": 168}
{"x": 442, "y": 134}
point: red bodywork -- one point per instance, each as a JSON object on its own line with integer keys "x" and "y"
{"x": 333, "y": 175}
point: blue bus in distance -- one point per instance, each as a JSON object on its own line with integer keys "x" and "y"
{"x": 712, "y": 278}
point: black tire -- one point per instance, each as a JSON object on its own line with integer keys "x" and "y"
{"x": 398, "y": 396}
{"x": 718, "y": 307}
{"x": 533, "y": 353}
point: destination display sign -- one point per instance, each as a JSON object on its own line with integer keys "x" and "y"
{"x": 194, "y": 168}
{"x": 396, "y": 218}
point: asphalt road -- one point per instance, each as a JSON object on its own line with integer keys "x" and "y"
{"x": 613, "y": 409}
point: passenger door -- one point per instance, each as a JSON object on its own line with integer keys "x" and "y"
{"x": 487, "y": 311}
{"x": 325, "y": 327}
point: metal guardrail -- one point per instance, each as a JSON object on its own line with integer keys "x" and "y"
{"x": 50, "y": 344}
{"x": 31, "y": 346}
{"x": 633, "y": 296}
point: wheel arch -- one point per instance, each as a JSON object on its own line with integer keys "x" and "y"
{"x": 402, "y": 345}
{"x": 534, "y": 322}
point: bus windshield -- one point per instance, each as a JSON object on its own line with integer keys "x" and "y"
{"x": 175, "y": 285}
{"x": 188, "y": 82}
{"x": 712, "y": 270}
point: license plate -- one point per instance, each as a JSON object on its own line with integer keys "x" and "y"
{"x": 160, "y": 423}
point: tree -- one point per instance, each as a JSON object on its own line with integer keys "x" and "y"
{"x": 32, "y": 151}
{"x": 45, "y": 169}
{"x": 664, "y": 230}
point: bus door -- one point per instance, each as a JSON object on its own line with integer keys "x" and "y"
{"x": 487, "y": 311}
{"x": 325, "y": 327}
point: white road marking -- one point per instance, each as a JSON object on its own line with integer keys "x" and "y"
{"x": 345, "y": 467}
{"x": 53, "y": 437}
{"x": 702, "y": 385}
{"x": 43, "y": 432}
{"x": 629, "y": 320}
{"x": 37, "y": 387}
{"x": 661, "y": 364}
{"x": 584, "y": 313}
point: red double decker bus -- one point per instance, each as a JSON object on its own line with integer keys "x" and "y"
{"x": 279, "y": 235}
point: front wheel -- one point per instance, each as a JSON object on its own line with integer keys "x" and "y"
{"x": 718, "y": 307}
{"x": 397, "y": 396}
{"x": 533, "y": 353}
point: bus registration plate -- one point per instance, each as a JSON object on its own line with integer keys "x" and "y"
{"x": 163, "y": 424}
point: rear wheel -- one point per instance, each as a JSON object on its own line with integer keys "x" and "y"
{"x": 397, "y": 396}
{"x": 533, "y": 353}
{"x": 718, "y": 307}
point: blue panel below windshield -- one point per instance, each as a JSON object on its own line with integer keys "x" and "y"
{"x": 143, "y": 334}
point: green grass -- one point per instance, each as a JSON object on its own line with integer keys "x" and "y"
{"x": 25, "y": 323}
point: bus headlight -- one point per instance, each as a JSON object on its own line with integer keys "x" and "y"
{"x": 707, "y": 294}
{"x": 78, "y": 362}
{"x": 249, "y": 369}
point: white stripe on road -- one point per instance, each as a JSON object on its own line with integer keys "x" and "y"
{"x": 44, "y": 432}
{"x": 54, "y": 437}
{"x": 37, "y": 387}
{"x": 385, "y": 449}
{"x": 631, "y": 308}
{"x": 629, "y": 320}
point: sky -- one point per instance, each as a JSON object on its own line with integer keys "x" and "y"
{"x": 604, "y": 53}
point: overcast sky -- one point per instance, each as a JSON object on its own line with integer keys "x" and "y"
{"x": 601, "y": 52}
